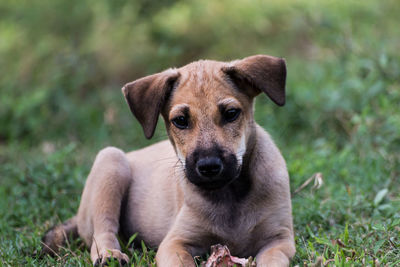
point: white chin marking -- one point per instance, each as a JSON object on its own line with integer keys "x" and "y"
{"x": 241, "y": 150}
{"x": 180, "y": 156}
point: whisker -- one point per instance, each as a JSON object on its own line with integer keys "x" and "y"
{"x": 163, "y": 159}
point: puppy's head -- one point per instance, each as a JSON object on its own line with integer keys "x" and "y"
{"x": 207, "y": 107}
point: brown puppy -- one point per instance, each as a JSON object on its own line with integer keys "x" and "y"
{"x": 219, "y": 178}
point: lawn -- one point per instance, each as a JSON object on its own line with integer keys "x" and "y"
{"x": 63, "y": 63}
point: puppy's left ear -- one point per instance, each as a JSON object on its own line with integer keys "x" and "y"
{"x": 258, "y": 74}
{"x": 147, "y": 96}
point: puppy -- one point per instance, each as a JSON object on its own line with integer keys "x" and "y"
{"x": 218, "y": 179}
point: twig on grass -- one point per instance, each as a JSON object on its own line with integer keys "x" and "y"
{"x": 318, "y": 182}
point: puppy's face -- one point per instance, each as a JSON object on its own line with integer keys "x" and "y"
{"x": 208, "y": 122}
{"x": 207, "y": 108}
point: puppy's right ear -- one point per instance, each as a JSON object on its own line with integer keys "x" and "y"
{"x": 146, "y": 97}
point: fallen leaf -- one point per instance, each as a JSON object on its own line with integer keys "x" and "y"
{"x": 221, "y": 257}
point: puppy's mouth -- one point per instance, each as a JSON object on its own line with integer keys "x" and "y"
{"x": 215, "y": 184}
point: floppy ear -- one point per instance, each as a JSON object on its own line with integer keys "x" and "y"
{"x": 146, "y": 97}
{"x": 258, "y": 74}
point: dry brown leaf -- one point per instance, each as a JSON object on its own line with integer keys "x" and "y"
{"x": 221, "y": 257}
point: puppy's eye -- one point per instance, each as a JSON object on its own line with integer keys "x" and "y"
{"x": 231, "y": 114}
{"x": 180, "y": 122}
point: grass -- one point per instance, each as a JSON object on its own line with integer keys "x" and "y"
{"x": 60, "y": 103}
{"x": 351, "y": 220}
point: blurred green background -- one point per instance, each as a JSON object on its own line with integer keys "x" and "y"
{"x": 62, "y": 64}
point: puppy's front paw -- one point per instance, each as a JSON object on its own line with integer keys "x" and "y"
{"x": 107, "y": 256}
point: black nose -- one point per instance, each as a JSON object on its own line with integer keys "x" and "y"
{"x": 209, "y": 167}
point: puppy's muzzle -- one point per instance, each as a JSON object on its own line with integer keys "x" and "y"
{"x": 209, "y": 167}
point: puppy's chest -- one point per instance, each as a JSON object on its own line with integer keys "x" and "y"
{"x": 237, "y": 230}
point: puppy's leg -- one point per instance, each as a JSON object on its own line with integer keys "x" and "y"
{"x": 187, "y": 237}
{"x": 172, "y": 252}
{"x": 276, "y": 254}
{"x": 99, "y": 210}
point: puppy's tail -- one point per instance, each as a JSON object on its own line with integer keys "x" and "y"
{"x": 58, "y": 235}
